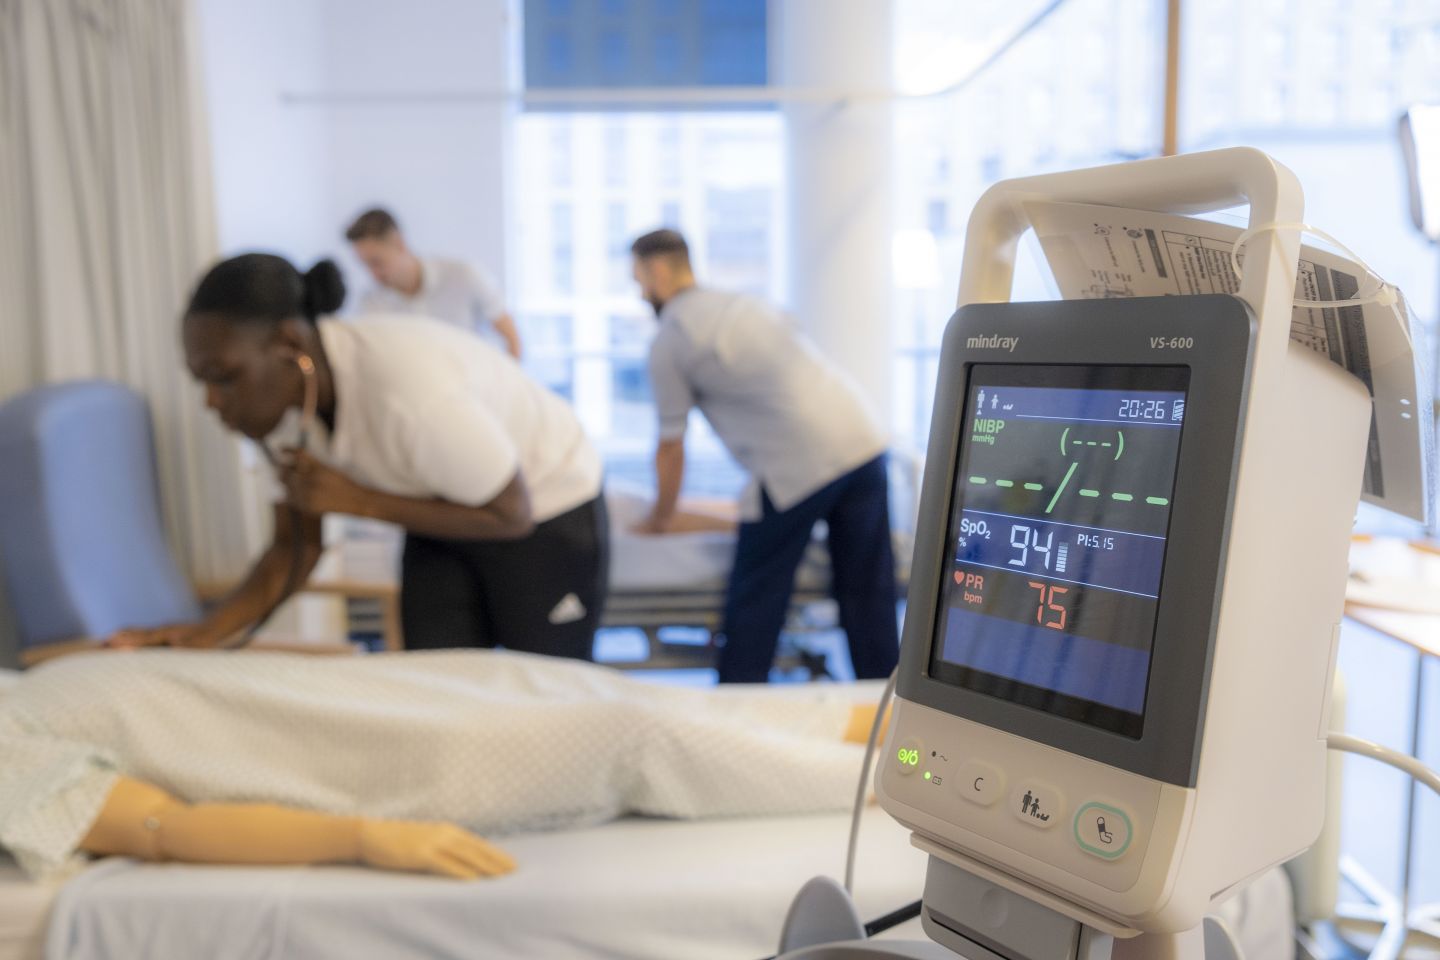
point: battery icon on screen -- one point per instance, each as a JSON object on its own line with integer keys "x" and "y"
{"x": 1178, "y": 412}
{"x": 1060, "y": 556}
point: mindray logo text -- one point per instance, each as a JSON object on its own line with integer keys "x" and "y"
{"x": 993, "y": 342}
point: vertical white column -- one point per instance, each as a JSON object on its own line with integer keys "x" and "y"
{"x": 838, "y": 160}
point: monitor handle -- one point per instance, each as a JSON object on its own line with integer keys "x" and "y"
{"x": 1187, "y": 184}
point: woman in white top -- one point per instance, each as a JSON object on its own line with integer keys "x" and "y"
{"x": 408, "y": 421}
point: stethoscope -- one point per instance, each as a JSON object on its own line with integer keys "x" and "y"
{"x": 308, "y": 412}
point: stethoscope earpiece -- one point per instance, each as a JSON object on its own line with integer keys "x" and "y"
{"x": 310, "y": 403}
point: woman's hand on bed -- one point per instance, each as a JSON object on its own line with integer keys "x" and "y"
{"x": 172, "y": 635}
{"x": 440, "y": 848}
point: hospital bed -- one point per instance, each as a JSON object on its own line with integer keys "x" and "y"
{"x": 640, "y": 888}
{"x": 636, "y": 888}
{"x": 678, "y": 580}
{"x": 632, "y": 888}
{"x": 657, "y": 583}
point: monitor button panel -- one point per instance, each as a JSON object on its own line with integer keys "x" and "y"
{"x": 993, "y": 787}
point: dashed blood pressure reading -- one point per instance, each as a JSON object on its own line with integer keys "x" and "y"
{"x": 1058, "y": 535}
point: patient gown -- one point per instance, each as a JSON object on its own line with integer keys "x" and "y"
{"x": 498, "y": 742}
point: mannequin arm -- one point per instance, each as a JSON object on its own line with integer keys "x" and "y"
{"x": 143, "y": 821}
{"x": 862, "y": 718}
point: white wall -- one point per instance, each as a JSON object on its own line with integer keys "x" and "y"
{"x": 839, "y": 214}
{"x": 320, "y": 108}
{"x": 270, "y": 163}
{"x": 436, "y": 161}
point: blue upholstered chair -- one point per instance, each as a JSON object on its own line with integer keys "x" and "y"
{"x": 82, "y": 546}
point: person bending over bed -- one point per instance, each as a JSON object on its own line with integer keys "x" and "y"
{"x": 412, "y": 422}
{"x": 389, "y": 760}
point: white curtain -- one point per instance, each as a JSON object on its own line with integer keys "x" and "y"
{"x": 106, "y": 221}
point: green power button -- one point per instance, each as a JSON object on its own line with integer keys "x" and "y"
{"x": 907, "y": 755}
{"x": 1102, "y": 830}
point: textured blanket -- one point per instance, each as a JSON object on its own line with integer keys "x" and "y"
{"x": 498, "y": 742}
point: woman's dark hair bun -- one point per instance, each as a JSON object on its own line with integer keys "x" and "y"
{"x": 324, "y": 289}
{"x": 267, "y": 289}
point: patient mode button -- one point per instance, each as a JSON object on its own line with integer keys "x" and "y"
{"x": 980, "y": 783}
{"x": 1038, "y": 804}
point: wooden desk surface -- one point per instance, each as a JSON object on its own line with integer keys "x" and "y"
{"x": 1395, "y": 589}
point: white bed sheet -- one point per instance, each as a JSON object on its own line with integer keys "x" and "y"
{"x": 632, "y": 889}
{"x": 710, "y": 889}
{"x": 692, "y": 562}
{"x": 717, "y": 888}
{"x": 24, "y": 909}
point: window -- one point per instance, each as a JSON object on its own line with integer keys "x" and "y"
{"x": 937, "y": 217}
{"x": 612, "y": 55}
{"x": 547, "y": 352}
{"x": 738, "y": 238}
{"x": 560, "y": 50}
{"x": 670, "y": 215}
{"x": 633, "y": 408}
{"x": 562, "y": 257}
{"x": 635, "y": 43}
{"x": 1322, "y": 94}
{"x": 669, "y": 55}
{"x": 574, "y": 223}
{"x": 1019, "y": 115}
{"x": 617, "y": 250}
{"x": 668, "y": 156}
{"x": 616, "y": 145}
{"x": 561, "y": 156}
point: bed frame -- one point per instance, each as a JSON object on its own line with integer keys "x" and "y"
{"x": 653, "y": 612}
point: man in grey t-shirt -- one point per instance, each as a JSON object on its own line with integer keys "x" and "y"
{"x": 801, "y": 429}
{"x": 437, "y": 287}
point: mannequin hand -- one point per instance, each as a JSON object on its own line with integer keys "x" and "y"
{"x": 440, "y": 848}
{"x": 316, "y": 488}
{"x": 171, "y": 635}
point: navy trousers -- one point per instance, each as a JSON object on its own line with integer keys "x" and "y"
{"x": 856, "y": 510}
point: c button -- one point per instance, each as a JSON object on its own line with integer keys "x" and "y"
{"x": 980, "y": 783}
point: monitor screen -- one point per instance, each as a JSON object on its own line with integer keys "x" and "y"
{"x": 1057, "y": 537}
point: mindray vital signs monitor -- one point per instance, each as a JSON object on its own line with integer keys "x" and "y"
{"x": 1123, "y": 609}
